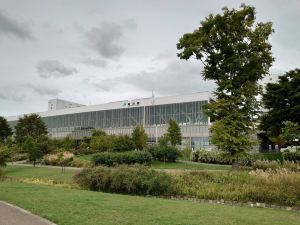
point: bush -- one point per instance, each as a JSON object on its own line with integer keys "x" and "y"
{"x": 122, "y": 143}
{"x": 164, "y": 153}
{"x": 80, "y": 163}
{"x": 292, "y": 156}
{"x": 265, "y": 164}
{"x": 125, "y": 179}
{"x": 271, "y": 156}
{"x": 4, "y": 155}
{"x": 116, "y": 158}
{"x": 59, "y": 159}
{"x": 101, "y": 143}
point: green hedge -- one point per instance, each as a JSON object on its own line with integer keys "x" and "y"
{"x": 116, "y": 158}
{"x": 125, "y": 179}
{"x": 164, "y": 153}
{"x": 292, "y": 156}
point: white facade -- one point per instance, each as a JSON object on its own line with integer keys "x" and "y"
{"x": 120, "y": 117}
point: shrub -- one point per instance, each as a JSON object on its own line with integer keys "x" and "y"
{"x": 101, "y": 143}
{"x": 4, "y": 155}
{"x": 164, "y": 153}
{"x": 125, "y": 179}
{"x": 292, "y": 156}
{"x": 217, "y": 157}
{"x": 59, "y": 159}
{"x": 80, "y": 163}
{"x": 271, "y": 156}
{"x": 115, "y": 158}
{"x": 122, "y": 143}
{"x": 1, "y": 175}
{"x": 265, "y": 164}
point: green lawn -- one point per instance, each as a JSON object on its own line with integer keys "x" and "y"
{"x": 72, "y": 206}
{"x": 23, "y": 172}
{"x": 194, "y": 166}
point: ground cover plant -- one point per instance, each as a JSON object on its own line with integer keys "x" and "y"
{"x": 76, "y": 207}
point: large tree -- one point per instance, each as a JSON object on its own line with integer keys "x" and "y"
{"x": 236, "y": 54}
{"x": 5, "y": 129}
{"x": 30, "y": 125}
{"x": 282, "y": 101}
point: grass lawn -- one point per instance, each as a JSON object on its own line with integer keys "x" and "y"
{"x": 194, "y": 166}
{"x": 72, "y": 206}
{"x": 23, "y": 172}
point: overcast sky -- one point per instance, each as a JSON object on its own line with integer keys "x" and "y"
{"x": 98, "y": 51}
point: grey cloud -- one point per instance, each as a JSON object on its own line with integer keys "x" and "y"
{"x": 9, "y": 26}
{"x": 54, "y": 68}
{"x": 105, "y": 38}
{"x": 10, "y": 95}
{"x": 95, "y": 62}
{"x": 42, "y": 90}
{"x": 130, "y": 24}
{"x": 163, "y": 55}
{"x": 176, "y": 78}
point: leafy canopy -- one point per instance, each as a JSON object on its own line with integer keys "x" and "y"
{"x": 5, "y": 129}
{"x": 282, "y": 100}
{"x": 236, "y": 54}
{"x": 290, "y": 132}
{"x": 30, "y": 125}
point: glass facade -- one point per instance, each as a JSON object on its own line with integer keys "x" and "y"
{"x": 189, "y": 115}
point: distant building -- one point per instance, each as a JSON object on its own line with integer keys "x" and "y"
{"x": 68, "y": 118}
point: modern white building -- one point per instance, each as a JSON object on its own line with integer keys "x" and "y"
{"x": 68, "y": 118}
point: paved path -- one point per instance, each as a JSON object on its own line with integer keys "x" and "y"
{"x": 13, "y": 215}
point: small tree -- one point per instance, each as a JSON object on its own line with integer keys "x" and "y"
{"x": 5, "y": 129}
{"x": 139, "y": 137}
{"x": 174, "y": 133}
{"x": 34, "y": 153}
{"x": 30, "y": 125}
{"x": 64, "y": 159}
{"x": 290, "y": 132}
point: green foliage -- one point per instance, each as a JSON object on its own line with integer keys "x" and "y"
{"x": 236, "y": 54}
{"x": 186, "y": 153}
{"x": 174, "y": 133}
{"x": 116, "y": 158}
{"x": 139, "y": 137}
{"x": 4, "y": 154}
{"x": 101, "y": 143}
{"x": 31, "y": 147}
{"x": 292, "y": 156}
{"x": 124, "y": 179}
{"x": 5, "y": 129}
{"x": 68, "y": 143}
{"x": 282, "y": 101}
{"x": 29, "y": 125}
{"x": 122, "y": 143}
{"x": 98, "y": 133}
{"x": 290, "y": 131}
{"x": 164, "y": 152}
